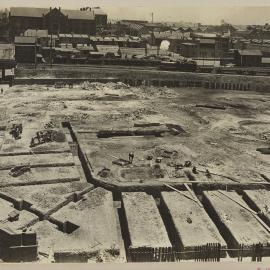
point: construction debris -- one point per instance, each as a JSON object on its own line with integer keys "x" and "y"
{"x": 265, "y": 151}
{"x": 16, "y": 131}
{"x": 47, "y": 136}
{"x": 210, "y": 106}
{"x": 19, "y": 170}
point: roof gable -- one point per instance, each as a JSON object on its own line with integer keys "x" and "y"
{"x": 39, "y": 12}
{"x": 28, "y": 12}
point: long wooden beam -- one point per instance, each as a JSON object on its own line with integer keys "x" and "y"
{"x": 255, "y": 214}
{"x": 193, "y": 195}
{"x": 180, "y": 192}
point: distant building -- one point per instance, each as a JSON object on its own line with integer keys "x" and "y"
{"x": 101, "y": 17}
{"x": 25, "y": 49}
{"x": 188, "y": 49}
{"x": 248, "y": 58}
{"x": 55, "y": 20}
{"x": 131, "y": 27}
{"x": 211, "y": 45}
{"x": 7, "y": 62}
{"x": 42, "y": 36}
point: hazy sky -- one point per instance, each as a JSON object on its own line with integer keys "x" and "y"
{"x": 204, "y": 11}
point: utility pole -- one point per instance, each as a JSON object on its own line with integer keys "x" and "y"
{"x": 51, "y": 51}
{"x": 51, "y": 42}
{"x": 35, "y": 52}
{"x": 152, "y": 15}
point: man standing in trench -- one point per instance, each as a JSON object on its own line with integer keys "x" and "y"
{"x": 130, "y": 157}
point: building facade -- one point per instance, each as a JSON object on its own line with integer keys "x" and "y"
{"x": 248, "y": 58}
{"x": 55, "y": 20}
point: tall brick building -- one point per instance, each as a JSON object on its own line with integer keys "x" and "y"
{"x": 55, "y": 20}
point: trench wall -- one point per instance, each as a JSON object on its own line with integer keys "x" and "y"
{"x": 146, "y": 77}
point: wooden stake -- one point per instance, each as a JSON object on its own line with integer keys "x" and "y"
{"x": 193, "y": 195}
{"x": 182, "y": 193}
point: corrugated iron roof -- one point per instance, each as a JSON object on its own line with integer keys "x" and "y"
{"x": 265, "y": 60}
{"x": 36, "y": 33}
{"x": 85, "y": 48}
{"x": 107, "y": 48}
{"x": 98, "y": 11}
{"x": 207, "y": 41}
{"x": 39, "y": 12}
{"x": 24, "y": 40}
{"x": 28, "y": 12}
{"x": 250, "y": 52}
{"x": 78, "y": 14}
{"x": 205, "y": 35}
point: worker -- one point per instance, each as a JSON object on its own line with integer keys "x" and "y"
{"x": 2, "y": 90}
{"x": 194, "y": 170}
{"x": 32, "y": 144}
{"x": 208, "y": 174}
{"x": 131, "y": 157}
{"x": 20, "y": 128}
{"x": 38, "y": 137}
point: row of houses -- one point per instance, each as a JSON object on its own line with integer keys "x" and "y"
{"x": 43, "y": 38}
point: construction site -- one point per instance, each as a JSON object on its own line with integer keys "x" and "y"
{"x": 111, "y": 172}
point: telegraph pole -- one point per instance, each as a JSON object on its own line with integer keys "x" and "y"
{"x": 51, "y": 51}
{"x": 152, "y": 15}
{"x": 51, "y": 43}
{"x": 35, "y": 52}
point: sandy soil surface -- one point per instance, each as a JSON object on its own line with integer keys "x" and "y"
{"x": 261, "y": 199}
{"x": 222, "y": 141}
{"x": 188, "y": 216}
{"x": 242, "y": 224}
{"x": 96, "y": 219}
{"x": 24, "y": 217}
{"x": 145, "y": 225}
{"x": 5, "y": 208}
{"x": 36, "y": 160}
{"x": 46, "y": 197}
{"x": 47, "y": 235}
{"x": 41, "y": 174}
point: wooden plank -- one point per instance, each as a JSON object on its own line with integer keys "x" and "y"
{"x": 262, "y": 223}
{"x": 180, "y": 192}
{"x": 220, "y": 182}
{"x": 221, "y": 175}
{"x": 239, "y": 203}
{"x": 193, "y": 195}
{"x": 255, "y": 214}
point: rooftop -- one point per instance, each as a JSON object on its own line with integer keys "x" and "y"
{"x": 36, "y": 33}
{"x": 250, "y": 52}
{"x": 24, "y": 40}
{"x": 40, "y": 12}
{"x": 207, "y": 41}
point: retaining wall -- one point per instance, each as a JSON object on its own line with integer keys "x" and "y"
{"x": 150, "y": 77}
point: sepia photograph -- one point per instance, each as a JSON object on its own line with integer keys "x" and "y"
{"x": 135, "y": 131}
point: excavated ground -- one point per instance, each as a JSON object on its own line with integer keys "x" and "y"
{"x": 55, "y": 190}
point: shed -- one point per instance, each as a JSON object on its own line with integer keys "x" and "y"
{"x": 248, "y": 58}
